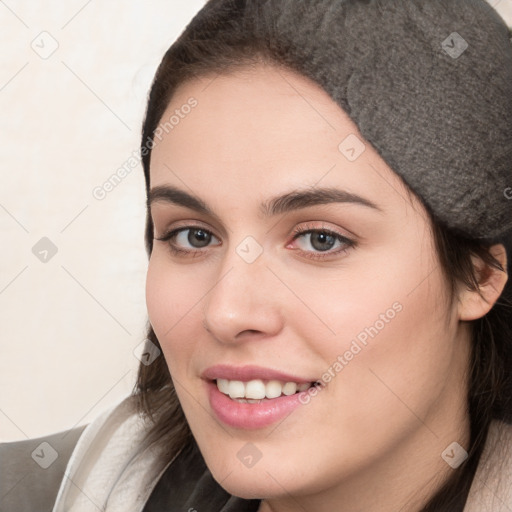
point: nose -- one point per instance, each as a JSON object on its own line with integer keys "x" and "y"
{"x": 242, "y": 302}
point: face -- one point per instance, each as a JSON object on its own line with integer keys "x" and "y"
{"x": 342, "y": 287}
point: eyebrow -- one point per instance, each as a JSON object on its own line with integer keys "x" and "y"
{"x": 290, "y": 201}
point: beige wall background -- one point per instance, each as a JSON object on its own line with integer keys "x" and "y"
{"x": 73, "y": 81}
{"x": 69, "y": 119}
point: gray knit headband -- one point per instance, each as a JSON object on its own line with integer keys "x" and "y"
{"x": 428, "y": 83}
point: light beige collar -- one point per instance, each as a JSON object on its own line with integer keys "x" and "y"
{"x": 111, "y": 468}
{"x": 491, "y": 490}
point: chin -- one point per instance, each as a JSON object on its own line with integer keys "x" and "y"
{"x": 249, "y": 484}
{"x": 269, "y": 479}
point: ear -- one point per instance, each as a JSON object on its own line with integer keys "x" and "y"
{"x": 473, "y": 305}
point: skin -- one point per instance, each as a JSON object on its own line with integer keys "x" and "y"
{"x": 371, "y": 440}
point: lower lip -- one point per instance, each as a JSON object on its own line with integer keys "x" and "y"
{"x": 250, "y": 416}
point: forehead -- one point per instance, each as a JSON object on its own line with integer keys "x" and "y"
{"x": 252, "y": 106}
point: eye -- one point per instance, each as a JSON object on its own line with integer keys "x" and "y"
{"x": 322, "y": 240}
{"x": 197, "y": 237}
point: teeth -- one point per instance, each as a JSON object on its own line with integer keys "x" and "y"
{"x": 273, "y": 389}
{"x": 256, "y": 390}
{"x": 223, "y": 385}
{"x": 236, "y": 389}
{"x": 289, "y": 388}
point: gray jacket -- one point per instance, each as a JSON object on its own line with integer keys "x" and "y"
{"x": 25, "y": 485}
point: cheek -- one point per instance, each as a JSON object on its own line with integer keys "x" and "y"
{"x": 393, "y": 336}
{"x": 161, "y": 296}
{"x": 397, "y": 357}
{"x": 170, "y": 300}
{"x": 381, "y": 302}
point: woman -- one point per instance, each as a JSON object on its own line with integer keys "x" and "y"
{"x": 329, "y": 214}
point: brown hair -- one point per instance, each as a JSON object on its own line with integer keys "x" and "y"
{"x": 217, "y": 41}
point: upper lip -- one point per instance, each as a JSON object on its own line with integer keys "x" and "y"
{"x": 249, "y": 372}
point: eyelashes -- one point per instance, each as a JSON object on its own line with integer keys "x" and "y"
{"x": 321, "y": 235}
{"x": 171, "y": 236}
{"x": 318, "y": 238}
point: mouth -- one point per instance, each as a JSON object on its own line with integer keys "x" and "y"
{"x": 251, "y": 396}
{"x": 256, "y": 391}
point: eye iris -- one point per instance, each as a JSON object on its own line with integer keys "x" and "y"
{"x": 323, "y": 238}
{"x": 200, "y": 235}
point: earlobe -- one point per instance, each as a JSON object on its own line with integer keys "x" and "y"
{"x": 474, "y": 305}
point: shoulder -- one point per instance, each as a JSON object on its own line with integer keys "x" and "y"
{"x": 32, "y": 470}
